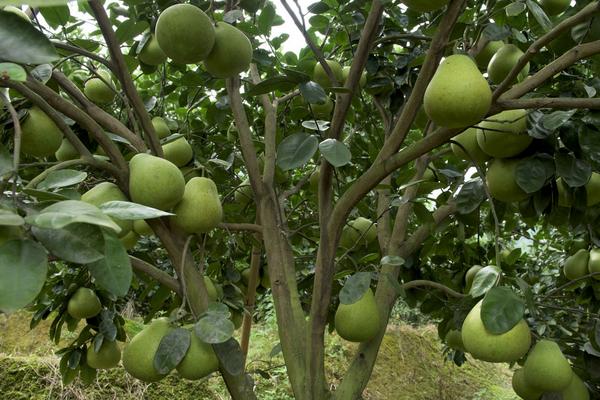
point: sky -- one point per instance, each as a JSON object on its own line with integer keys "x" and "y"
{"x": 296, "y": 41}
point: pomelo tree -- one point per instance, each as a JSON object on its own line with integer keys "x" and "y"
{"x": 173, "y": 154}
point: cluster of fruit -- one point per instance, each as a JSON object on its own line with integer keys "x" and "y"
{"x": 545, "y": 370}
{"x": 582, "y": 263}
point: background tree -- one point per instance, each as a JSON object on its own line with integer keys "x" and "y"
{"x": 341, "y": 177}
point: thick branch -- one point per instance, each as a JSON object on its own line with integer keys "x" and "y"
{"x": 125, "y": 77}
{"x": 161, "y": 276}
{"x": 536, "y": 46}
{"x": 566, "y": 103}
{"x": 420, "y": 283}
{"x": 241, "y": 227}
{"x": 17, "y": 128}
{"x": 83, "y": 52}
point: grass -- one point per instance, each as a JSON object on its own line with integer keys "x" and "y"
{"x": 410, "y": 366}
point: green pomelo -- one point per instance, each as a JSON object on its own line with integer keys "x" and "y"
{"x": 179, "y": 151}
{"x": 155, "y": 182}
{"x": 522, "y": 389}
{"x": 504, "y": 135}
{"x": 98, "y": 91}
{"x": 200, "y": 209}
{"x": 576, "y": 265}
{"x": 485, "y": 55}
{"x": 501, "y": 180}
{"x": 546, "y": 368}
{"x": 199, "y": 361}
{"x": 576, "y": 390}
{"x": 66, "y": 151}
{"x": 138, "y": 355}
{"x": 152, "y": 54}
{"x": 40, "y": 137}
{"x": 594, "y": 263}
{"x": 358, "y": 322}
{"x": 504, "y": 61}
{"x": 484, "y": 345}
{"x": 231, "y": 54}
{"x": 321, "y": 77}
{"x": 185, "y": 33}
{"x": 161, "y": 127}
{"x": 84, "y": 304}
{"x": 458, "y": 95}
{"x": 468, "y": 140}
{"x": 108, "y": 356}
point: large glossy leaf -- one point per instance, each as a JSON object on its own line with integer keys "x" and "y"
{"x": 313, "y": 93}
{"x": 230, "y": 356}
{"x": 171, "y": 350}
{"x": 22, "y": 43}
{"x": 33, "y": 3}
{"x": 501, "y": 310}
{"x": 129, "y": 29}
{"x": 68, "y": 212}
{"x": 355, "y": 287}
{"x": 295, "y": 150}
{"x": 281, "y": 82}
{"x": 470, "y": 196}
{"x": 335, "y": 152}
{"x": 214, "y": 328}
{"x": 56, "y": 16}
{"x": 539, "y": 15}
{"x": 573, "y": 171}
{"x": 131, "y": 211}
{"x": 62, "y": 178}
{"x": 10, "y": 218}
{"x": 23, "y": 268}
{"x": 533, "y": 173}
{"x": 76, "y": 243}
{"x": 485, "y": 279}
{"x": 113, "y": 272}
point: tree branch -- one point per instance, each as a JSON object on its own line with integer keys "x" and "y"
{"x": 419, "y": 283}
{"x": 83, "y": 52}
{"x": 241, "y": 227}
{"x": 125, "y": 77}
{"x": 17, "y": 128}
{"x": 161, "y": 276}
{"x": 536, "y": 46}
{"x": 56, "y": 167}
{"x": 566, "y": 103}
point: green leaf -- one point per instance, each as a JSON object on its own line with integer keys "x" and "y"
{"x": 395, "y": 261}
{"x": 556, "y": 119}
{"x": 131, "y": 211}
{"x": 335, "y": 152}
{"x": 280, "y": 82}
{"x": 14, "y": 72}
{"x": 319, "y": 7}
{"x": 56, "y": 16}
{"x": 295, "y": 150}
{"x": 230, "y": 356}
{"x": 68, "y": 212}
{"x": 496, "y": 32}
{"x": 62, "y": 178}
{"x": 355, "y": 287}
{"x": 231, "y": 16}
{"x": 589, "y": 140}
{"x": 33, "y": 3}
{"x": 76, "y": 243}
{"x": 501, "y": 310}
{"x": 470, "y": 196}
{"x": 6, "y": 161}
{"x": 573, "y": 171}
{"x": 220, "y": 309}
{"x": 514, "y": 9}
{"x": 214, "y": 328}
{"x": 113, "y": 272}
{"x": 265, "y": 19}
{"x": 129, "y": 29}
{"x": 171, "y": 350}
{"x": 23, "y": 268}
{"x": 485, "y": 279}
{"x": 9, "y": 218}
{"x": 313, "y": 93}
{"x": 296, "y": 76}
{"x": 533, "y": 173}
{"x": 539, "y": 15}
{"x": 22, "y": 43}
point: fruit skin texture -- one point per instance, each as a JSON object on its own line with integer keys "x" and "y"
{"x": 576, "y": 265}
{"x": 576, "y": 390}
{"x": 107, "y": 357}
{"x": 485, "y": 55}
{"x": 40, "y": 137}
{"x": 185, "y": 33}
{"x": 66, "y": 151}
{"x": 425, "y": 5}
{"x": 142, "y": 228}
{"x": 454, "y": 340}
{"x": 243, "y": 194}
{"x": 130, "y": 240}
{"x": 501, "y": 181}
{"x": 554, "y": 7}
{"x": 360, "y": 228}
{"x": 324, "y": 110}
{"x": 546, "y": 368}
{"x": 458, "y": 95}
{"x": 503, "y": 62}
{"x": 103, "y": 193}
{"x": 321, "y": 77}
{"x": 161, "y": 127}
{"x": 521, "y": 387}
{"x": 483, "y": 345}
{"x": 231, "y": 54}
{"x": 84, "y": 304}
{"x": 468, "y": 139}
{"x": 594, "y": 262}
{"x": 155, "y": 182}
{"x": 358, "y": 322}
{"x": 504, "y": 135}
{"x": 152, "y": 54}
{"x": 138, "y": 354}
{"x": 200, "y": 209}
{"x": 179, "y": 151}
{"x": 199, "y": 361}
{"x": 592, "y": 189}
{"x": 99, "y": 92}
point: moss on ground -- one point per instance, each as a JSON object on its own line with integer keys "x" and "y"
{"x": 410, "y": 366}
